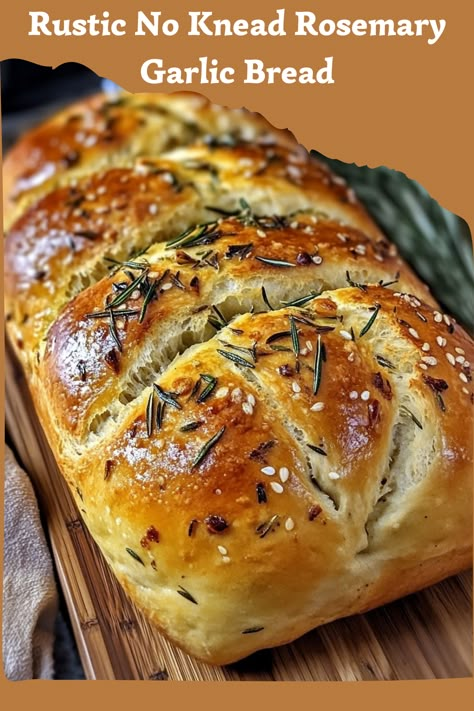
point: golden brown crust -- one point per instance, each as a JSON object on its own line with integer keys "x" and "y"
{"x": 101, "y": 130}
{"x": 384, "y": 486}
{"x": 253, "y": 457}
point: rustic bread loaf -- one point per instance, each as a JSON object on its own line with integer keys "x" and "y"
{"x": 253, "y": 457}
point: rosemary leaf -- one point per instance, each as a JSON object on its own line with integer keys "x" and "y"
{"x": 134, "y": 555}
{"x": 318, "y": 360}
{"x": 238, "y": 360}
{"x": 275, "y": 262}
{"x": 370, "y": 322}
{"x": 167, "y": 397}
{"x": 186, "y": 594}
{"x": 211, "y": 384}
{"x": 204, "y": 451}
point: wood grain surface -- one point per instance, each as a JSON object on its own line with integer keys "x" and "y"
{"x": 423, "y": 636}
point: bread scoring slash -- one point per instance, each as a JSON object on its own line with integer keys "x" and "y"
{"x": 253, "y": 399}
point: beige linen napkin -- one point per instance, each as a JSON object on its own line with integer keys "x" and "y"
{"x": 29, "y": 591}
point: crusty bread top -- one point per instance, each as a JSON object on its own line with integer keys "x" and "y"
{"x": 57, "y": 247}
{"x": 265, "y": 463}
{"x": 107, "y": 130}
{"x": 92, "y": 366}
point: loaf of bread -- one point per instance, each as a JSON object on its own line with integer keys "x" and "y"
{"x": 260, "y": 410}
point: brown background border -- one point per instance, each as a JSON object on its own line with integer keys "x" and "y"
{"x": 396, "y": 102}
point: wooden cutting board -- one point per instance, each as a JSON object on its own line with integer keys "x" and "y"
{"x": 423, "y": 636}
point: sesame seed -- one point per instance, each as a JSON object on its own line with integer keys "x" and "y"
{"x": 153, "y": 275}
{"x": 295, "y": 387}
{"x": 429, "y": 360}
{"x": 346, "y": 335}
{"x": 225, "y": 559}
{"x": 437, "y": 316}
{"x": 451, "y": 358}
{"x": 463, "y": 377}
{"x": 309, "y": 345}
{"x": 308, "y": 230}
{"x": 261, "y": 233}
{"x": 284, "y": 474}
{"x": 351, "y": 356}
{"x": 365, "y": 395}
{"x": 342, "y": 237}
{"x": 353, "y": 394}
{"x": 317, "y": 259}
{"x": 413, "y": 332}
{"x": 447, "y": 320}
{"x": 222, "y": 392}
{"x": 360, "y": 249}
{"x": 425, "y": 347}
{"x": 289, "y": 524}
{"x": 247, "y": 408}
{"x": 251, "y": 400}
{"x": 317, "y": 407}
{"x": 466, "y": 391}
{"x": 101, "y": 190}
{"x": 466, "y": 364}
{"x": 461, "y": 351}
{"x": 269, "y": 471}
{"x": 334, "y": 475}
{"x": 165, "y": 287}
{"x": 460, "y": 359}
{"x": 222, "y": 550}
{"x": 236, "y": 394}
{"x": 441, "y": 341}
{"x": 294, "y": 225}
{"x": 120, "y": 323}
{"x": 277, "y": 488}
{"x": 423, "y": 366}
{"x": 218, "y": 492}
{"x": 153, "y": 208}
{"x": 304, "y": 351}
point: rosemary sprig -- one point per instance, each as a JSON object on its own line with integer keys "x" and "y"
{"x": 186, "y": 594}
{"x": 134, "y": 555}
{"x": 362, "y": 287}
{"x": 106, "y": 313}
{"x": 167, "y": 397}
{"x": 150, "y": 293}
{"x": 263, "y": 528}
{"x": 238, "y": 250}
{"x": 301, "y": 301}
{"x": 204, "y": 451}
{"x": 318, "y": 362}
{"x": 277, "y": 336}
{"x": 384, "y": 362}
{"x": 211, "y": 384}
{"x": 265, "y": 299}
{"x": 236, "y": 358}
{"x": 275, "y": 262}
{"x": 160, "y": 411}
{"x": 149, "y": 415}
{"x": 190, "y": 426}
{"x": 217, "y": 321}
{"x": 131, "y": 264}
{"x": 294, "y": 336}
{"x": 113, "y": 330}
{"x": 408, "y": 413}
{"x": 126, "y": 293}
{"x": 370, "y": 322}
{"x": 243, "y": 349}
{"x": 316, "y": 449}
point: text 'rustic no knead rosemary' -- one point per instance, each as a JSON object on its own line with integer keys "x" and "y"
{"x": 253, "y": 70}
